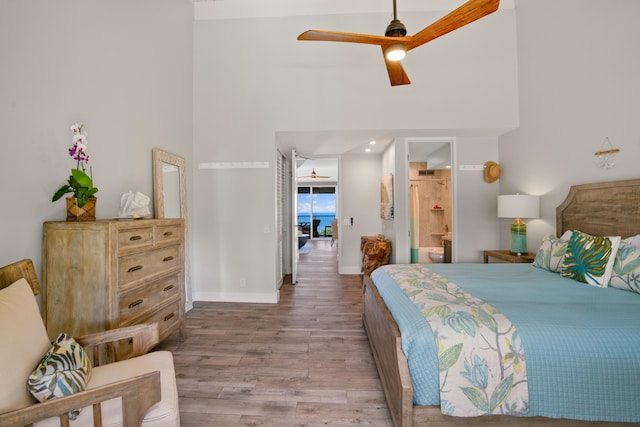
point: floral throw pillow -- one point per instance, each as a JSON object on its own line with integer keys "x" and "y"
{"x": 590, "y": 259}
{"x": 626, "y": 268}
{"x": 551, "y": 253}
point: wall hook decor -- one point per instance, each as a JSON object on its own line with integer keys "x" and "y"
{"x": 606, "y": 154}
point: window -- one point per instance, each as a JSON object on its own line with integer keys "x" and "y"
{"x": 316, "y": 209}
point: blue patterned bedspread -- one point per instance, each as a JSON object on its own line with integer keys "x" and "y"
{"x": 582, "y": 343}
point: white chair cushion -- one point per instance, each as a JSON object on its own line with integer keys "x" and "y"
{"x": 164, "y": 413}
{"x": 24, "y": 342}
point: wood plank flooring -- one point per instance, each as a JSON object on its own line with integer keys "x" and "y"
{"x": 302, "y": 362}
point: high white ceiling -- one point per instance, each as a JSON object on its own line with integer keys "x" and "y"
{"x": 331, "y": 143}
{"x": 234, "y": 9}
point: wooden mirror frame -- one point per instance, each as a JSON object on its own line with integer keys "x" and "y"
{"x": 161, "y": 157}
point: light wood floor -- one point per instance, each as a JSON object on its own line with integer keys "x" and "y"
{"x": 303, "y": 362}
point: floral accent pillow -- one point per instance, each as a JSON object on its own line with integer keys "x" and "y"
{"x": 626, "y": 268}
{"x": 590, "y": 259}
{"x": 550, "y": 255}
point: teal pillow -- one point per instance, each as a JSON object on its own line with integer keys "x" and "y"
{"x": 626, "y": 268}
{"x": 65, "y": 369}
{"x": 590, "y": 259}
{"x": 550, "y": 255}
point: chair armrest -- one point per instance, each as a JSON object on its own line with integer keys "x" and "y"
{"x": 138, "y": 395}
{"x": 145, "y": 336}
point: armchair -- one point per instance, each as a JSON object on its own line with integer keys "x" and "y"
{"x": 140, "y": 391}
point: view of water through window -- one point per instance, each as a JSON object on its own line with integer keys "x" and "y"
{"x": 316, "y": 209}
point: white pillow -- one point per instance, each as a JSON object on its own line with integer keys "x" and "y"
{"x": 24, "y": 341}
{"x": 550, "y": 255}
{"x": 626, "y": 268}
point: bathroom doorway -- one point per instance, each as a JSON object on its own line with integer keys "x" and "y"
{"x": 430, "y": 201}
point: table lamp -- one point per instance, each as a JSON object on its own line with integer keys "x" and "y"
{"x": 518, "y": 206}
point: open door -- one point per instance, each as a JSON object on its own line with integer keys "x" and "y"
{"x": 295, "y": 254}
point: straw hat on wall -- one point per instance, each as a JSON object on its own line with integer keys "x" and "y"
{"x": 491, "y": 172}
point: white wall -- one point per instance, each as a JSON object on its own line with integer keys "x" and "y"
{"x": 359, "y": 199}
{"x": 475, "y": 225}
{"x": 579, "y": 80}
{"x": 121, "y": 67}
{"x": 266, "y": 82}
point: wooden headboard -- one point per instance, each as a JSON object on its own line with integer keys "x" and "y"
{"x": 601, "y": 209}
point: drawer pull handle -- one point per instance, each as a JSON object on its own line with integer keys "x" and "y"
{"x": 168, "y": 233}
{"x": 133, "y": 238}
{"x": 135, "y": 268}
{"x": 168, "y": 316}
{"x": 135, "y": 303}
{"x": 167, "y": 258}
{"x": 168, "y": 288}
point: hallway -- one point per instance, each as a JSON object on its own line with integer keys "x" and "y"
{"x": 302, "y": 362}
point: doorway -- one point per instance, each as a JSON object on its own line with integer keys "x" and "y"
{"x": 430, "y": 201}
{"x": 314, "y": 191}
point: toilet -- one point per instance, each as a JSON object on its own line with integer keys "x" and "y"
{"x": 436, "y": 255}
{"x": 429, "y": 255}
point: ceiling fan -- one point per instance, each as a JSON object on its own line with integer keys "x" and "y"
{"x": 314, "y": 175}
{"x": 395, "y": 43}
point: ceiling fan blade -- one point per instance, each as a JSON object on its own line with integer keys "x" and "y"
{"x": 465, "y": 14}
{"x": 337, "y": 36}
{"x": 397, "y": 76}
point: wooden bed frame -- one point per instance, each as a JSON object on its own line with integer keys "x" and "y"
{"x": 605, "y": 209}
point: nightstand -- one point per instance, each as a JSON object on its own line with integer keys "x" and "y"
{"x": 508, "y": 256}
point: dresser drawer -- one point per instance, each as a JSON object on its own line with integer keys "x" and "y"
{"x": 168, "y": 320}
{"x": 135, "y": 238}
{"x": 145, "y": 298}
{"x": 139, "y": 266}
{"x": 168, "y": 234}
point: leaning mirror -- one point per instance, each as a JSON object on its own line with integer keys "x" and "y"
{"x": 169, "y": 191}
{"x": 170, "y": 200}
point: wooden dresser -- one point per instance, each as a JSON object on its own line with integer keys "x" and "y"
{"x": 106, "y": 274}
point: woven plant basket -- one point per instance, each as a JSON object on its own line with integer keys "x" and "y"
{"x": 85, "y": 213}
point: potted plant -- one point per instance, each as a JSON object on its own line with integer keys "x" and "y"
{"x": 82, "y": 205}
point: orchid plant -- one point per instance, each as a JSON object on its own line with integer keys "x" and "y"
{"x": 79, "y": 183}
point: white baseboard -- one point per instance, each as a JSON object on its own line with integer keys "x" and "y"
{"x": 255, "y": 297}
{"x": 353, "y": 269}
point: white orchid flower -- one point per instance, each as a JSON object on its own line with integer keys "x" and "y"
{"x": 81, "y": 147}
{"x": 75, "y": 128}
{"x": 80, "y": 138}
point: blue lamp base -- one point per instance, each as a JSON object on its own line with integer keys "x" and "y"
{"x": 518, "y": 237}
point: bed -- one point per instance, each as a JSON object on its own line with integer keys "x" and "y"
{"x": 602, "y": 209}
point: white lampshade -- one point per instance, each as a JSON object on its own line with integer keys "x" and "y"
{"x": 518, "y": 206}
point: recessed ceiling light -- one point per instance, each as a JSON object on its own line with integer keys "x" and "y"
{"x": 368, "y": 150}
{"x": 372, "y": 142}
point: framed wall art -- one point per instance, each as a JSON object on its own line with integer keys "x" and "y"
{"x": 386, "y": 197}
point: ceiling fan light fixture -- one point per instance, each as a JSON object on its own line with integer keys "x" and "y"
{"x": 395, "y": 52}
